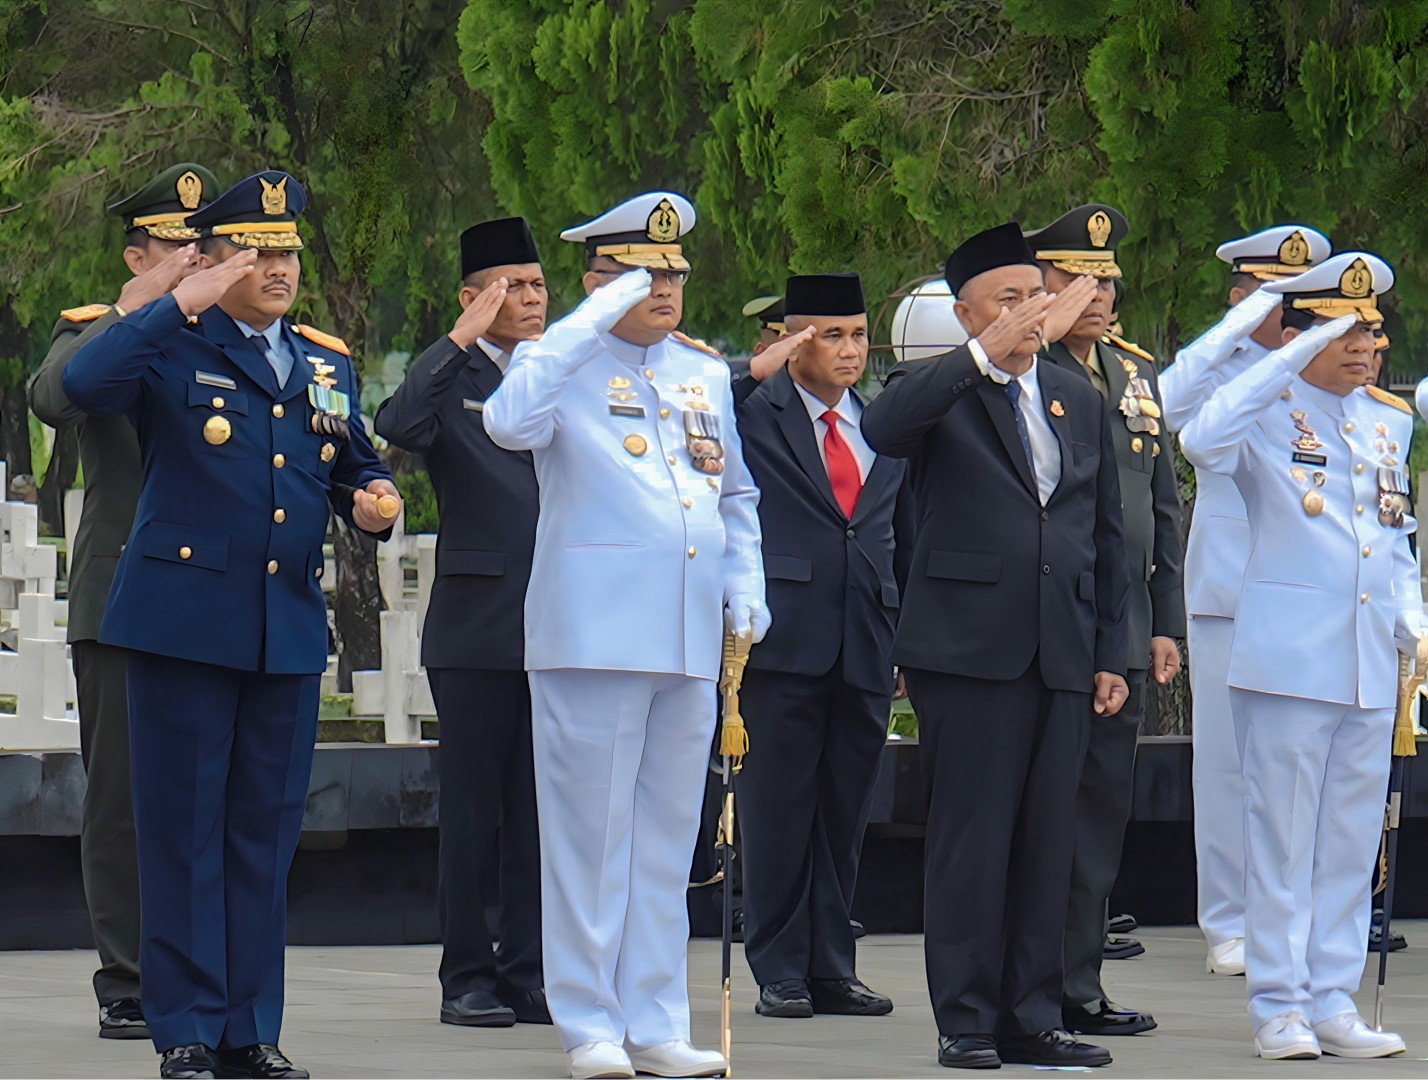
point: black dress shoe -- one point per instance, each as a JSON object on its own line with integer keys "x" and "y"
{"x": 1123, "y": 924}
{"x": 788, "y": 1000}
{"x": 968, "y": 1052}
{"x": 258, "y": 1060}
{"x": 529, "y": 1006}
{"x": 1051, "y": 1048}
{"x": 189, "y": 1062}
{"x": 859, "y": 930}
{"x": 848, "y": 997}
{"x": 122, "y": 1019}
{"x": 477, "y": 1009}
{"x": 1121, "y": 948}
{"x": 1102, "y": 1017}
{"x": 1396, "y": 940}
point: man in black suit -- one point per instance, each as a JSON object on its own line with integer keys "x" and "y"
{"x": 1012, "y": 629}
{"x": 818, "y": 689}
{"x": 473, "y": 643}
{"x": 1082, "y": 244}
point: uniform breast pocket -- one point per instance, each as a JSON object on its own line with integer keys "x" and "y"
{"x": 200, "y": 548}
{"x": 218, "y": 412}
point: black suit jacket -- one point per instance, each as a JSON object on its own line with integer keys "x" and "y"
{"x": 1150, "y": 498}
{"x": 998, "y": 581}
{"x": 831, "y": 582}
{"x": 488, "y": 501}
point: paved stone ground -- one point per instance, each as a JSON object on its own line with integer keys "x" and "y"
{"x": 360, "y": 1012}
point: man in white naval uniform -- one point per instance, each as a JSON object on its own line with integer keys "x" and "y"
{"x": 1330, "y": 588}
{"x": 1214, "y": 568}
{"x": 648, "y": 530}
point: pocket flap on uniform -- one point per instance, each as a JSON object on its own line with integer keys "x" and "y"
{"x": 218, "y": 399}
{"x": 1086, "y": 586}
{"x": 890, "y": 594}
{"x": 487, "y": 563}
{"x": 787, "y": 568}
{"x": 964, "y": 566}
{"x": 183, "y": 544}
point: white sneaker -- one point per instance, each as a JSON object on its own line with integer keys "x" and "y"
{"x": 1347, "y": 1035}
{"x": 1286, "y": 1036}
{"x": 595, "y": 1060}
{"x": 1227, "y": 958}
{"x": 678, "y": 1058}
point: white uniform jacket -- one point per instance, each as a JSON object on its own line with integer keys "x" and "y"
{"x": 642, "y": 534}
{"x": 1325, "y": 594}
{"x": 1219, "y": 543}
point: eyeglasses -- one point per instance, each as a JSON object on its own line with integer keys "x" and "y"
{"x": 676, "y": 278}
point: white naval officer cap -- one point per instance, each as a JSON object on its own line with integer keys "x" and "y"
{"x": 643, "y": 231}
{"x": 1275, "y": 253}
{"x": 925, "y": 323}
{"x": 1347, "y": 284}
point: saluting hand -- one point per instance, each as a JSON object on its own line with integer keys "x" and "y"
{"x": 1111, "y": 693}
{"x": 1067, "y": 306}
{"x": 479, "y": 314}
{"x": 1013, "y": 326}
{"x": 199, "y": 292}
{"x": 778, "y": 354}
{"x": 158, "y": 279}
{"x": 1164, "y": 660}
{"x": 365, "y": 512}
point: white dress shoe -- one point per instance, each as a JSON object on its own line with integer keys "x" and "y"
{"x": 1347, "y": 1035}
{"x": 594, "y": 1060}
{"x": 1286, "y": 1037}
{"x": 678, "y": 1058}
{"x": 1227, "y": 958}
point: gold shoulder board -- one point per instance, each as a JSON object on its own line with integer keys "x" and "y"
{"x": 1391, "y": 400}
{"x": 336, "y": 344}
{"x": 88, "y": 313}
{"x": 1122, "y": 343}
{"x": 695, "y": 343}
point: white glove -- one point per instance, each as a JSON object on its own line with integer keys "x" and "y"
{"x": 1298, "y": 353}
{"x": 1216, "y": 344}
{"x": 746, "y": 615}
{"x": 574, "y": 337}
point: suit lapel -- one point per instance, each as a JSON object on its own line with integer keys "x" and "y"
{"x": 485, "y": 375}
{"x": 301, "y": 376}
{"x": 1049, "y": 379}
{"x": 878, "y": 476}
{"x": 797, "y": 428}
{"x": 994, "y": 397}
{"x": 220, "y": 329}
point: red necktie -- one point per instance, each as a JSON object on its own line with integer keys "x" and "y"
{"x": 842, "y": 466}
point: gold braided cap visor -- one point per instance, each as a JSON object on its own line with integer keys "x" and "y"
{"x": 650, "y": 256}
{"x": 1099, "y": 264}
{"x": 166, "y": 226}
{"x": 1270, "y": 271}
{"x": 263, "y": 235}
{"x": 1331, "y": 307}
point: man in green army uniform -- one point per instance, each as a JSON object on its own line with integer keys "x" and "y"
{"x": 159, "y": 251}
{"x": 1077, "y": 252}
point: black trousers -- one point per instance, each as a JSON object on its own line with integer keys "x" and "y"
{"x": 489, "y": 850}
{"x": 802, "y": 801}
{"x": 1103, "y": 806}
{"x": 107, "y": 855}
{"x": 1000, "y": 767}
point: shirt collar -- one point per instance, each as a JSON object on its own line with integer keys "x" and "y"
{"x": 1321, "y": 399}
{"x": 623, "y": 350}
{"x": 1028, "y": 380}
{"x": 273, "y": 335}
{"x": 846, "y": 407}
{"x": 495, "y": 353}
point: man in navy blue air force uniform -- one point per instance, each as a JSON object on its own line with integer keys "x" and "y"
{"x": 245, "y": 425}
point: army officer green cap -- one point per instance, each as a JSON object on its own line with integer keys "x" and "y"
{"x": 160, "y": 206}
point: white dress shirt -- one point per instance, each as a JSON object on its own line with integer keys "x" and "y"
{"x": 850, "y": 414}
{"x": 1045, "y": 449}
{"x": 499, "y": 356}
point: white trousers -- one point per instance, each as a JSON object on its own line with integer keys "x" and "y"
{"x": 620, "y": 763}
{"x": 1316, "y": 779}
{"x": 1216, "y": 781}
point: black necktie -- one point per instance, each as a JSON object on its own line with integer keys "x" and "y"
{"x": 1013, "y": 389}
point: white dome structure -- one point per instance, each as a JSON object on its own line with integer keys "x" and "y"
{"x": 924, "y": 323}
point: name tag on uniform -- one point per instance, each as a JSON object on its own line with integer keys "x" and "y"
{"x": 1301, "y": 458}
{"x": 473, "y": 404}
{"x": 635, "y": 411}
{"x": 206, "y": 379}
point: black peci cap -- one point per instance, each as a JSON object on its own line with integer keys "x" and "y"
{"x": 1001, "y": 245}
{"x": 824, "y": 294}
{"x": 503, "y": 242}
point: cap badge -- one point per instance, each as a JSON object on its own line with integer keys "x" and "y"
{"x": 275, "y": 196}
{"x": 1099, "y": 228}
{"x": 189, "y": 189}
{"x": 1295, "y": 250}
{"x": 663, "y": 224}
{"x": 1357, "y": 280}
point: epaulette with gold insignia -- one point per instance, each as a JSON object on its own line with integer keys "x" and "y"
{"x": 336, "y": 344}
{"x": 88, "y": 313}
{"x": 1121, "y": 343}
{"x": 1391, "y": 400}
{"x": 695, "y": 343}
